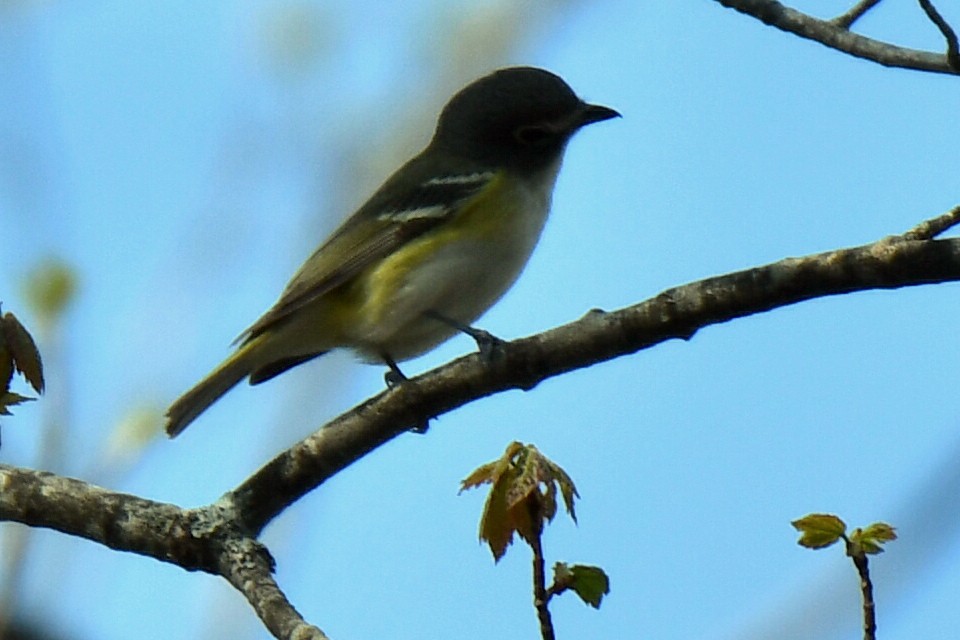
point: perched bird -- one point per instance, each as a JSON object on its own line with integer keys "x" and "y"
{"x": 435, "y": 247}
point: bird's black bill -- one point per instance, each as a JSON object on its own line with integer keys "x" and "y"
{"x": 595, "y": 113}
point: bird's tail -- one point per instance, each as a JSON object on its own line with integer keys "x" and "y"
{"x": 195, "y": 401}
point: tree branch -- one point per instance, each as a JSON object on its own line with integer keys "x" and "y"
{"x": 953, "y": 49}
{"x": 856, "y": 12}
{"x": 247, "y": 565}
{"x": 117, "y": 520}
{"x": 866, "y": 593}
{"x": 907, "y": 260}
{"x": 541, "y": 598}
{"x": 835, "y": 35}
{"x": 205, "y": 539}
{"x": 221, "y": 538}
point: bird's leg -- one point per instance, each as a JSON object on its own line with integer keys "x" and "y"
{"x": 395, "y": 377}
{"x": 487, "y": 343}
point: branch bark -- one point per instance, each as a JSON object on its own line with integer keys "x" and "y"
{"x": 834, "y": 34}
{"x": 221, "y": 538}
{"x": 205, "y": 539}
{"x": 248, "y": 566}
{"x": 907, "y": 260}
{"x": 855, "y": 13}
{"x": 953, "y": 47}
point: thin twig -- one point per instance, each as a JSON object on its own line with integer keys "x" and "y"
{"x": 556, "y": 589}
{"x": 930, "y": 229}
{"x": 953, "y": 48}
{"x": 846, "y": 20}
{"x": 866, "y": 591}
{"x": 541, "y": 598}
{"x": 827, "y": 33}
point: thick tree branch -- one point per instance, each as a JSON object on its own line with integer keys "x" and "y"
{"x": 247, "y": 565}
{"x": 834, "y": 34}
{"x": 117, "y": 520}
{"x": 221, "y": 538}
{"x": 906, "y": 260}
{"x": 205, "y": 539}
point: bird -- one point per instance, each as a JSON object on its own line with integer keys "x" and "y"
{"x": 431, "y": 250}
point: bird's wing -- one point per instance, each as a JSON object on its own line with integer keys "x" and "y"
{"x": 393, "y": 216}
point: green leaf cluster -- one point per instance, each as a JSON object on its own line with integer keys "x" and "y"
{"x": 523, "y": 497}
{"x": 819, "y": 530}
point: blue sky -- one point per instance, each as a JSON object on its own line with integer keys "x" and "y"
{"x": 184, "y": 158}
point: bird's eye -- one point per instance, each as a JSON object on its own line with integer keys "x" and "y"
{"x": 532, "y": 135}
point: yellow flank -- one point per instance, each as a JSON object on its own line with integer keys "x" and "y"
{"x": 458, "y": 269}
{"x": 483, "y": 216}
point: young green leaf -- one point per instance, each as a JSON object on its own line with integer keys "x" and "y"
{"x": 819, "y": 530}
{"x": 497, "y": 522}
{"x": 590, "y": 583}
{"x": 496, "y": 527}
{"x": 567, "y": 489}
{"x": 523, "y": 497}
{"x": 872, "y": 539}
{"x": 481, "y": 475}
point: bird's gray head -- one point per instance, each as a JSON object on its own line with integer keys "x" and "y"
{"x": 520, "y": 117}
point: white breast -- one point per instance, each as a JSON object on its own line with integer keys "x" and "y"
{"x": 463, "y": 278}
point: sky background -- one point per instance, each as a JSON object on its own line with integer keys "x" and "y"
{"x": 183, "y": 158}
